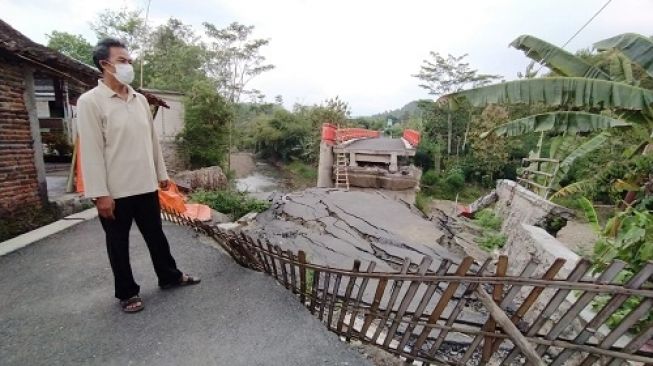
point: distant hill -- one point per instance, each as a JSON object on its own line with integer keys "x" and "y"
{"x": 405, "y": 111}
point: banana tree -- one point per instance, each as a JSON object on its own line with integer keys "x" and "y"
{"x": 587, "y": 98}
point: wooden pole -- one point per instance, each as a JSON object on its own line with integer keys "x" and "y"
{"x": 515, "y": 335}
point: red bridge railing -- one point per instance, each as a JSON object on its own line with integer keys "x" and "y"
{"x": 412, "y": 137}
{"x": 332, "y": 134}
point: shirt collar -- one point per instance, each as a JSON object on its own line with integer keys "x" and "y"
{"x": 109, "y": 93}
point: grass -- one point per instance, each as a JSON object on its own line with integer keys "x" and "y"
{"x": 300, "y": 174}
{"x": 234, "y": 203}
{"x": 423, "y": 203}
{"x": 491, "y": 238}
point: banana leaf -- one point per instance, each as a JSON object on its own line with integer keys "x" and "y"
{"x": 569, "y": 123}
{"x": 556, "y": 58}
{"x": 621, "y": 68}
{"x": 590, "y": 213}
{"x": 584, "y": 149}
{"x": 637, "y": 48}
{"x": 562, "y": 91}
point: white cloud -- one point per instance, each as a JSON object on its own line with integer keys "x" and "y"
{"x": 363, "y": 50}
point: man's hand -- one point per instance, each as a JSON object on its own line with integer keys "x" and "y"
{"x": 105, "y": 206}
{"x": 164, "y": 184}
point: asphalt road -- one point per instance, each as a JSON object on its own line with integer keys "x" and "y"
{"x": 57, "y": 308}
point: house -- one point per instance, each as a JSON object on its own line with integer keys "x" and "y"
{"x": 168, "y": 123}
{"x": 39, "y": 88}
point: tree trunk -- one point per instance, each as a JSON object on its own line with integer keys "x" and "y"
{"x": 450, "y": 132}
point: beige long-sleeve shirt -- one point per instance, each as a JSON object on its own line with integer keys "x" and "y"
{"x": 120, "y": 151}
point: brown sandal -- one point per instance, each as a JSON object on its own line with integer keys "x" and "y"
{"x": 190, "y": 280}
{"x": 127, "y": 307}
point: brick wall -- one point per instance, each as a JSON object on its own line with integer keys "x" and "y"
{"x": 18, "y": 180}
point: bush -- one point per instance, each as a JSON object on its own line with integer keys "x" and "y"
{"x": 206, "y": 128}
{"x": 430, "y": 179}
{"x": 486, "y": 218}
{"x": 235, "y": 203}
{"x": 455, "y": 179}
{"x": 491, "y": 241}
{"x": 491, "y": 238}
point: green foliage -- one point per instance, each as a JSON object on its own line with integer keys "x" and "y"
{"x": 590, "y": 213}
{"x": 203, "y": 138}
{"x": 454, "y": 179}
{"x": 234, "y": 203}
{"x": 301, "y": 175}
{"x": 490, "y": 241}
{"x": 126, "y": 25}
{"x": 491, "y": 238}
{"x": 423, "y": 202}
{"x": 488, "y": 219}
{"x": 234, "y": 58}
{"x": 449, "y": 186}
{"x": 174, "y": 58}
{"x": 282, "y": 136}
{"x": 24, "y": 220}
{"x": 557, "y": 59}
{"x": 71, "y": 45}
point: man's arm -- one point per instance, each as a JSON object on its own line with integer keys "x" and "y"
{"x": 94, "y": 171}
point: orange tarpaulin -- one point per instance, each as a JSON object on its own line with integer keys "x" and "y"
{"x": 170, "y": 199}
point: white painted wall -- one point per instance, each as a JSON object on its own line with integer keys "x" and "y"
{"x": 169, "y": 122}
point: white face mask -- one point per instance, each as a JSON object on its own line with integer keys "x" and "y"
{"x": 124, "y": 73}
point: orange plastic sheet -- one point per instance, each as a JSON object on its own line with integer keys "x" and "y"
{"x": 172, "y": 200}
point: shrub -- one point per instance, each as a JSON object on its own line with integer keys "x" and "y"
{"x": 455, "y": 179}
{"x": 235, "y": 203}
{"x": 430, "y": 179}
{"x": 206, "y": 128}
{"x": 491, "y": 241}
{"x": 486, "y": 218}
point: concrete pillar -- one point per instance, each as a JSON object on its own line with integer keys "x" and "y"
{"x": 352, "y": 159}
{"x": 394, "y": 166}
{"x": 325, "y": 166}
{"x": 30, "y": 104}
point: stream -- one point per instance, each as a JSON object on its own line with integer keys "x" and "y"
{"x": 263, "y": 178}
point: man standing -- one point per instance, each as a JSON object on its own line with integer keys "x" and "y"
{"x": 121, "y": 164}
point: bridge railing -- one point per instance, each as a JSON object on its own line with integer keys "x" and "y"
{"x": 412, "y": 137}
{"x": 333, "y": 134}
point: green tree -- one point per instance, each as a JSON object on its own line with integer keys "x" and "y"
{"x": 441, "y": 76}
{"x": 124, "y": 24}
{"x": 207, "y": 114}
{"x": 71, "y": 45}
{"x": 235, "y": 58}
{"x": 174, "y": 59}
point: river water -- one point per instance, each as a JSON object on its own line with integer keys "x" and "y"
{"x": 264, "y": 178}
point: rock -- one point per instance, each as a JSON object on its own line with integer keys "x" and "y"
{"x": 245, "y": 220}
{"x": 218, "y": 217}
{"x": 229, "y": 226}
{"x": 209, "y": 179}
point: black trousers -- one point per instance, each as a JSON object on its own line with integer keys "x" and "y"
{"x": 145, "y": 210}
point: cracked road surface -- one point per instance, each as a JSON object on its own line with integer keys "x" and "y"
{"x": 57, "y": 308}
{"x": 336, "y": 227}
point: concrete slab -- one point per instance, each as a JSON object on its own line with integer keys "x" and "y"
{"x": 58, "y": 308}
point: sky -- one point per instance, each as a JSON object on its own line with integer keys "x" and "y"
{"x": 364, "y": 51}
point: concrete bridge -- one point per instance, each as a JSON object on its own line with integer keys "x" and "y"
{"x": 370, "y": 160}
